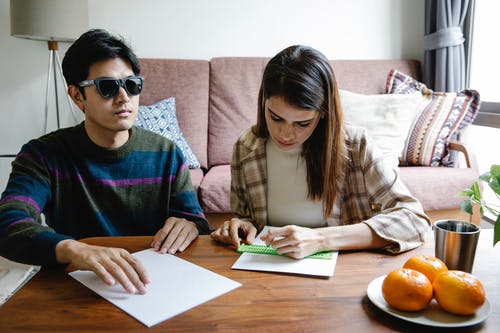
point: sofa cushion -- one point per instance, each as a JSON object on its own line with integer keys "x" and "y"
{"x": 215, "y": 190}
{"x": 440, "y": 118}
{"x": 160, "y": 118}
{"x": 196, "y": 178}
{"x": 387, "y": 118}
{"x": 234, "y": 89}
{"x": 187, "y": 81}
{"x": 436, "y": 187}
{"x": 370, "y": 76}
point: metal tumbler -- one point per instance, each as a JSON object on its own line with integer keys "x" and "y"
{"x": 456, "y": 243}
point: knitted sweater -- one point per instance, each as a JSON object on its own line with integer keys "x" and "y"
{"x": 84, "y": 190}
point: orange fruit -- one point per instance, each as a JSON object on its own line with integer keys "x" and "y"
{"x": 428, "y": 265}
{"x": 407, "y": 289}
{"x": 458, "y": 292}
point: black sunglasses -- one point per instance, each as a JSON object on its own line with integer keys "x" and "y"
{"x": 109, "y": 87}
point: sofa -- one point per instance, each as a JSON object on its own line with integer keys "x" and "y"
{"x": 216, "y": 100}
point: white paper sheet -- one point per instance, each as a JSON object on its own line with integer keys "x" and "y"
{"x": 13, "y": 276}
{"x": 284, "y": 264}
{"x": 176, "y": 286}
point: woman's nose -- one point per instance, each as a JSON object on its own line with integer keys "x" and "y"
{"x": 286, "y": 130}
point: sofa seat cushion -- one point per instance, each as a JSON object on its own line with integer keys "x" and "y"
{"x": 436, "y": 187}
{"x": 215, "y": 190}
{"x": 196, "y": 177}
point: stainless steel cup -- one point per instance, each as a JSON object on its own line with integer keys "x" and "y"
{"x": 456, "y": 243}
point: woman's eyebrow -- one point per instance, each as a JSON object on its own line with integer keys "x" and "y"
{"x": 298, "y": 121}
{"x": 273, "y": 113}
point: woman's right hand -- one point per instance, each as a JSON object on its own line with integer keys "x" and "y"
{"x": 234, "y": 232}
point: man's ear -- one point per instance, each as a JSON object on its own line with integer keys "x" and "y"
{"x": 77, "y": 97}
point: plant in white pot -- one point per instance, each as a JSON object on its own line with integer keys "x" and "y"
{"x": 473, "y": 195}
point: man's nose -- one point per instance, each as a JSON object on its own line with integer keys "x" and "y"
{"x": 122, "y": 95}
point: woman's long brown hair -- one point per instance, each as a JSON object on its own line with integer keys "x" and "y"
{"x": 304, "y": 78}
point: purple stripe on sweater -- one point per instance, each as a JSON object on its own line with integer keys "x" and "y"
{"x": 26, "y": 219}
{"x": 128, "y": 182}
{"x": 184, "y": 166}
{"x": 5, "y": 229}
{"x": 21, "y": 198}
{"x": 191, "y": 214}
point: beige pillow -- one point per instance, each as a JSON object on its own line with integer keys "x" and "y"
{"x": 387, "y": 118}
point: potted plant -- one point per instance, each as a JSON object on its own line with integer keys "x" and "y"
{"x": 473, "y": 195}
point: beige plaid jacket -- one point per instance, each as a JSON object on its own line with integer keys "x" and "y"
{"x": 373, "y": 192}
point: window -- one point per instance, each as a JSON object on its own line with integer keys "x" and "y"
{"x": 484, "y": 135}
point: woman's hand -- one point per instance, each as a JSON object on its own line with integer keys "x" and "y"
{"x": 234, "y": 232}
{"x": 295, "y": 242}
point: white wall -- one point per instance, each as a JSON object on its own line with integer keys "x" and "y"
{"x": 202, "y": 29}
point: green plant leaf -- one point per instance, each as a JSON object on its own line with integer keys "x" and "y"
{"x": 473, "y": 195}
{"x": 476, "y": 191}
{"x": 466, "y": 206}
{"x": 465, "y": 193}
{"x": 485, "y": 177}
{"x": 495, "y": 171}
{"x": 496, "y": 231}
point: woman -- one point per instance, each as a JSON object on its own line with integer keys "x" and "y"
{"x": 323, "y": 183}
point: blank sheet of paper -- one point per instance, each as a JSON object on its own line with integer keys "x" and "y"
{"x": 13, "y": 276}
{"x": 176, "y": 286}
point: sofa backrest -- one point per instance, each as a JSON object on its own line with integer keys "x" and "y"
{"x": 187, "y": 81}
{"x": 235, "y": 83}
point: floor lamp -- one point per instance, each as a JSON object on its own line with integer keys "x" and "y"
{"x": 52, "y": 21}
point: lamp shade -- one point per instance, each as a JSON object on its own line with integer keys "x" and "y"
{"x": 56, "y": 20}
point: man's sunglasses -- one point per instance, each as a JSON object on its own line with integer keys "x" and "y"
{"x": 109, "y": 87}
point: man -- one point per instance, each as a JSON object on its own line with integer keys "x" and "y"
{"x": 103, "y": 177}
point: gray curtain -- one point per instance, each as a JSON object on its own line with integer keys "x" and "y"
{"x": 444, "y": 56}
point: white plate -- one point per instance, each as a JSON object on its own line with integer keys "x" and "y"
{"x": 433, "y": 315}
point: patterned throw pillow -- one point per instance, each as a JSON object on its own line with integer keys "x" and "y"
{"x": 160, "y": 118}
{"x": 442, "y": 116}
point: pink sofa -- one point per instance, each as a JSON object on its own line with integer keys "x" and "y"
{"x": 217, "y": 99}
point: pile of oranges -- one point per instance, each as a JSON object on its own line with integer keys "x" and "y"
{"x": 423, "y": 277}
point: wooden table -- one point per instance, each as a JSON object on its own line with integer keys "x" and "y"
{"x": 266, "y": 302}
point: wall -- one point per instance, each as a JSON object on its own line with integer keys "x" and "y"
{"x": 202, "y": 29}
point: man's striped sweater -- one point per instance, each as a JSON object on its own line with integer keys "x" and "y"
{"x": 84, "y": 190}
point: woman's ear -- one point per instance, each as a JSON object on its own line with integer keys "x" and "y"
{"x": 77, "y": 97}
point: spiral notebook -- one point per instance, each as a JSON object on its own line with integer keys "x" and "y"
{"x": 276, "y": 263}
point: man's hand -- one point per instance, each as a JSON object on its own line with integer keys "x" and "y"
{"x": 234, "y": 231}
{"x": 176, "y": 235}
{"x": 110, "y": 264}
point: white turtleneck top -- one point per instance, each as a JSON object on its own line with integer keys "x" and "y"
{"x": 287, "y": 201}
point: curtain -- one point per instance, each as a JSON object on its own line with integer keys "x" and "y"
{"x": 444, "y": 55}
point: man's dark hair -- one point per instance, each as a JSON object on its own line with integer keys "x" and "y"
{"x": 91, "y": 47}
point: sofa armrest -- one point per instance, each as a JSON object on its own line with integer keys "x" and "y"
{"x": 470, "y": 161}
{"x": 470, "y": 158}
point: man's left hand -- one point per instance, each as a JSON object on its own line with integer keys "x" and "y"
{"x": 176, "y": 235}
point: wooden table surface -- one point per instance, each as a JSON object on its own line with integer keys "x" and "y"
{"x": 266, "y": 302}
